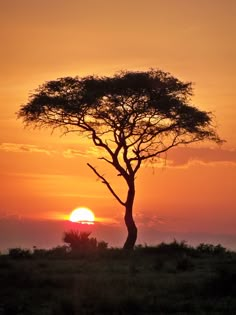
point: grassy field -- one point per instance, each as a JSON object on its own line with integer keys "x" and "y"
{"x": 166, "y": 279}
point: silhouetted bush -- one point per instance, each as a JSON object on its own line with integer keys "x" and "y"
{"x": 102, "y": 245}
{"x": 174, "y": 248}
{"x": 79, "y": 242}
{"x": 58, "y": 252}
{"x": 211, "y": 249}
{"x": 40, "y": 253}
{"x": 17, "y": 253}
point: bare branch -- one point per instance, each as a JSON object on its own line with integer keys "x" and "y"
{"x": 105, "y": 159}
{"x": 104, "y": 181}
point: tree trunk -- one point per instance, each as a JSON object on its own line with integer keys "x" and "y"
{"x": 129, "y": 221}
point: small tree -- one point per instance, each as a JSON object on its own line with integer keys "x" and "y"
{"x": 133, "y": 117}
{"x": 80, "y": 242}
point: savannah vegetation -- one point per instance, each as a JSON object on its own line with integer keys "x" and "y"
{"x": 85, "y": 276}
{"x": 133, "y": 117}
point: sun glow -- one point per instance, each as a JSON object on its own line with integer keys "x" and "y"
{"x": 82, "y": 215}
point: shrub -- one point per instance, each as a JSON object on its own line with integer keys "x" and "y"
{"x": 79, "y": 242}
{"x": 17, "y": 253}
{"x": 40, "y": 253}
{"x": 219, "y": 250}
{"x": 211, "y": 249}
{"x": 58, "y": 251}
{"x": 174, "y": 248}
{"x": 102, "y": 245}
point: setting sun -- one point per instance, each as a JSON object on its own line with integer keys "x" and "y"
{"x": 82, "y": 215}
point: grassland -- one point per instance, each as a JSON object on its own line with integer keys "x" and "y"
{"x": 166, "y": 279}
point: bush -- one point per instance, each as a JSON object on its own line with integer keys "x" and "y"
{"x": 102, "y": 245}
{"x": 211, "y": 249}
{"x": 174, "y": 248}
{"x": 58, "y": 251}
{"x": 17, "y": 253}
{"x": 79, "y": 242}
{"x": 40, "y": 253}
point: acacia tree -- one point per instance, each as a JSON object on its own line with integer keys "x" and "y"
{"x": 133, "y": 117}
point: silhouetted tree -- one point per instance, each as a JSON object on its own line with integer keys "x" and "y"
{"x": 132, "y": 116}
{"x": 80, "y": 241}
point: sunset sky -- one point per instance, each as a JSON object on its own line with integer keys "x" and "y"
{"x": 44, "y": 176}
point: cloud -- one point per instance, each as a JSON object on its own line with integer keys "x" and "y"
{"x": 78, "y": 195}
{"x": 89, "y": 152}
{"x": 183, "y": 156}
{"x": 5, "y": 215}
{"x": 94, "y": 151}
{"x": 28, "y": 148}
{"x": 177, "y": 157}
{"x": 71, "y": 153}
{"x": 149, "y": 220}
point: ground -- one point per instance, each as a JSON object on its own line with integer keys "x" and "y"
{"x": 151, "y": 280}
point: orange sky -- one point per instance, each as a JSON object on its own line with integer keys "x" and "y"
{"x": 45, "y": 176}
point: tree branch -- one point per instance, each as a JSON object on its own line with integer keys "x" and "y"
{"x": 105, "y": 159}
{"x": 104, "y": 181}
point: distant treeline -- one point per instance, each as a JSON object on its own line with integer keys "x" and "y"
{"x": 80, "y": 244}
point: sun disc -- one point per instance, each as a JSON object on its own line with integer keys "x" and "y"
{"x": 82, "y": 215}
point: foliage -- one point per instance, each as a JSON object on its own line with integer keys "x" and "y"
{"x": 39, "y": 252}
{"x": 102, "y": 245}
{"x": 17, "y": 253}
{"x": 211, "y": 249}
{"x": 81, "y": 243}
{"x": 173, "y": 248}
{"x": 58, "y": 251}
{"x": 131, "y": 104}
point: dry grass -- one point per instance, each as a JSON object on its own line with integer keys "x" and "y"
{"x": 161, "y": 280}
